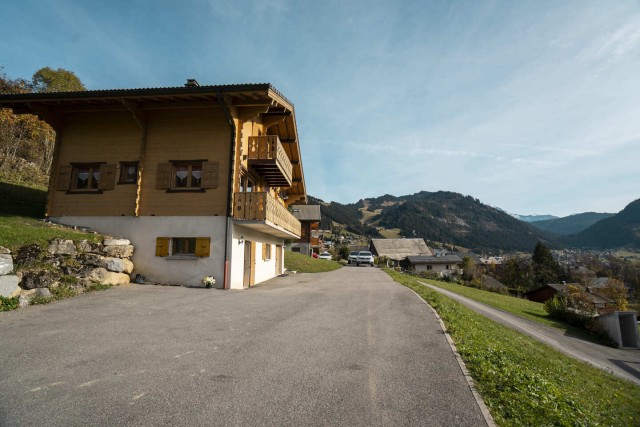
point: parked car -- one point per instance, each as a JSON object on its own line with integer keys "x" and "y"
{"x": 325, "y": 255}
{"x": 353, "y": 257}
{"x": 365, "y": 257}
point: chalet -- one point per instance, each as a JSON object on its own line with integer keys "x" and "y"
{"x": 445, "y": 265}
{"x": 309, "y": 217}
{"x": 397, "y": 250}
{"x": 545, "y": 293}
{"x": 199, "y": 178}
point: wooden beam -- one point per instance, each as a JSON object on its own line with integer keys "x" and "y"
{"x": 288, "y": 140}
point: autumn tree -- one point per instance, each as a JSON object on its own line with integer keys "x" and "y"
{"x": 49, "y": 80}
{"x": 26, "y": 143}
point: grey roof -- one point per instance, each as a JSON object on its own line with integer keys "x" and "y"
{"x": 307, "y": 212}
{"x": 492, "y": 282}
{"x": 600, "y": 282}
{"x": 176, "y": 90}
{"x": 399, "y": 249}
{"x": 445, "y": 259}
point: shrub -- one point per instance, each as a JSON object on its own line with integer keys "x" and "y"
{"x": 8, "y": 304}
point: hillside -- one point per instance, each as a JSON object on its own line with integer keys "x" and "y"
{"x": 620, "y": 230}
{"x": 441, "y": 216}
{"x": 572, "y": 224}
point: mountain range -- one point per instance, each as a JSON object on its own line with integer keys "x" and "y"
{"x": 460, "y": 220}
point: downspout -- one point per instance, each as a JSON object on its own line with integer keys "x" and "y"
{"x": 232, "y": 154}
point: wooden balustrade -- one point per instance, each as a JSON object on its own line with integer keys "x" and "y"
{"x": 267, "y": 156}
{"x": 262, "y": 206}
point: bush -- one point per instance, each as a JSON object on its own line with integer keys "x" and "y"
{"x": 8, "y": 304}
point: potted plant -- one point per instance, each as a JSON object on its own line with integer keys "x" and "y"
{"x": 208, "y": 281}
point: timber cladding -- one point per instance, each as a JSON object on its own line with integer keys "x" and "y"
{"x": 91, "y": 142}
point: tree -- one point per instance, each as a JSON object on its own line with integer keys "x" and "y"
{"x": 545, "y": 269}
{"x": 60, "y": 80}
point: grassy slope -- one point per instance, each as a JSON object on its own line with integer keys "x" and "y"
{"x": 519, "y": 306}
{"x": 20, "y": 210}
{"x": 306, "y": 264}
{"x": 526, "y": 383}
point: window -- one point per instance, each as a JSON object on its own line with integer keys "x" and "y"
{"x": 266, "y": 251}
{"x": 128, "y": 173}
{"x": 187, "y": 175}
{"x": 429, "y": 267}
{"x": 83, "y": 178}
{"x": 183, "y": 247}
{"x": 86, "y": 177}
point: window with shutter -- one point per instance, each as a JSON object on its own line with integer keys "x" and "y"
{"x": 107, "y": 177}
{"x": 163, "y": 177}
{"x": 203, "y": 247}
{"x": 63, "y": 180}
{"x": 88, "y": 177}
{"x": 210, "y": 174}
{"x": 162, "y": 246}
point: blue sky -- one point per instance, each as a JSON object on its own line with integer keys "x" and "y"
{"x": 530, "y": 106}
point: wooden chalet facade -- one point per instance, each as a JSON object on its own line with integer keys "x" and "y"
{"x": 309, "y": 217}
{"x": 199, "y": 178}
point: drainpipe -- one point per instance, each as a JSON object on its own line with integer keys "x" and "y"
{"x": 232, "y": 153}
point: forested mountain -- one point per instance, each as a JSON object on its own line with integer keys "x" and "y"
{"x": 572, "y": 224}
{"x": 438, "y": 216}
{"x": 620, "y": 230}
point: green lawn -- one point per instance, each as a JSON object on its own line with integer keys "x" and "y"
{"x": 21, "y": 209}
{"x": 526, "y": 383}
{"x": 519, "y": 306}
{"x": 306, "y": 264}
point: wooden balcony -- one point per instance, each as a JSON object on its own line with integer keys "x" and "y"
{"x": 261, "y": 211}
{"x": 268, "y": 158}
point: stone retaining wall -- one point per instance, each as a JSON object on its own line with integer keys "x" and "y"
{"x": 36, "y": 271}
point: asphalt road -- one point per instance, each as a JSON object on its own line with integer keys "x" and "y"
{"x": 348, "y": 348}
{"x": 623, "y": 363}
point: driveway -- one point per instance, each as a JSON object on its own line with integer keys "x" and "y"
{"x": 348, "y": 348}
{"x": 623, "y": 363}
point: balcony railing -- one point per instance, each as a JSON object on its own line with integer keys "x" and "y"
{"x": 263, "y": 211}
{"x": 267, "y": 157}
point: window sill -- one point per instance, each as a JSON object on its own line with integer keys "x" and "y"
{"x": 182, "y": 258}
{"x": 186, "y": 190}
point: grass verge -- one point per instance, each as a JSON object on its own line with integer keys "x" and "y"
{"x": 526, "y": 383}
{"x": 530, "y": 310}
{"x": 306, "y": 264}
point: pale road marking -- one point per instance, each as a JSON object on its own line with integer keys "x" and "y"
{"x": 371, "y": 340}
{"x": 134, "y": 398}
{"x": 46, "y": 386}
{"x": 178, "y": 356}
{"x": 87, "y": 384}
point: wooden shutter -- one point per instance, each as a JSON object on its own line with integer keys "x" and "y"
{"x": 203, "y": 247}
{"x": 164, "y": 176}
{"x": 107, "y": 177}
{"x": 162, "y": 246}
{"x": 63, "y": 179}
{"x": 264, "y": 251}
{"x": 210, "y": 174}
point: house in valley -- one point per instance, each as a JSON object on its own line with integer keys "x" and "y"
{"x": 309, "y": 217}
{"x": 445, "y": 265}
{"x": 396, "y": 250}
{"x": 199, "y": 178}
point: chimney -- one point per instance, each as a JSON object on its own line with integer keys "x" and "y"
{"x": 192, "y": 83}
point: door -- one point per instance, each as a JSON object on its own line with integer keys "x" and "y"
{"x": 249, "y": 278}
{"x": 278, "y": 260}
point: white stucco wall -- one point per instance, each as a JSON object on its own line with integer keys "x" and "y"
{"x": 264, "y": 270}
{"x": 143, "y": 231}
{"x": 437, "y": 269}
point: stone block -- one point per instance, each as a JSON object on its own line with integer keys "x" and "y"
{"x": 123, "y": 251}
{"x": 128, "y": 266}
{"x": 62, "y": 247}
{"x": 108, "y": 277}
{"x": 116, "y": 242}
{"x": 38, "y": 279}
{"x": 114, "y": 264}
{"x": 6, "y": 264}
{"x": 4, "y": 251}
{"x": 9, "y": 286}
{"x": 83, "y": 246}
{"x": 43, "y": 292}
